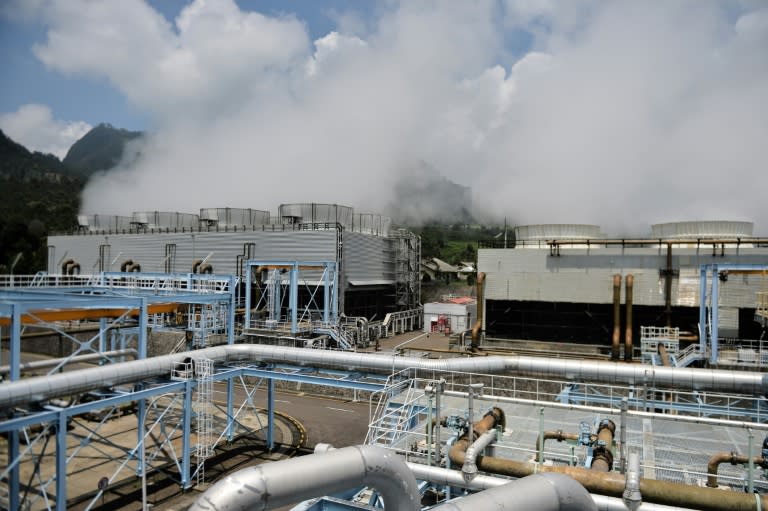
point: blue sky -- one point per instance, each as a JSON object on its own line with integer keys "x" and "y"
{"x": 617, "y": 113}
{"x": 93, "y": 99}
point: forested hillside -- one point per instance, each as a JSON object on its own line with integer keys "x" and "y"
{"x": 38, "y": 195}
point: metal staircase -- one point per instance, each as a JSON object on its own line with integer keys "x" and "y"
{"x": 397, "y": 412}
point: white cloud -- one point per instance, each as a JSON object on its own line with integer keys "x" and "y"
{"x": 621, "y": 113}
{"x": 34, "y": 127}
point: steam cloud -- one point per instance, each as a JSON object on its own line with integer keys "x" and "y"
{"x": 34, "y": 127}
{"x": 621, "y": 113}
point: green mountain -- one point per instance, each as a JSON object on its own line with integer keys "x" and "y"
{"x": 38, "y": 195}
{"x": 100, "y": 149}
{"x": 17, "y": 162}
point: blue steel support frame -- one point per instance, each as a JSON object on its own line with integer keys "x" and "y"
{"x": 13, "y": 436}
{"x": 186, "y": 440}
{"x": 61, "y": 416}
{"x": 141, "y": 411}
{"x": 270, "y": 414}
{"x": 330, "y": 293}
{"x": 703, "y": 311}
{"x": 230, "y": 407}
{"x": 293, "y": 298}
{"x": 713, "y": 336}
{"x": 232, "y": 306}
{"x": 61, "y": 461}
{"x": 103, "y": 335}
{"x": 327, "y": 294}
{"x": 143, "y": 322}
{"x": 247, "y": 291}
{"x": 715, "y": 330}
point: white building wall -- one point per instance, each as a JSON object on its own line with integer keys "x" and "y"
{"x": 586, "y": 275}
{"x": 461, "y": 316}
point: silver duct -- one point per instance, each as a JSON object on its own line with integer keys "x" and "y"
{"x": 280, "y": 483}
{"x": 539, "y": 492}
{"x": 469, "y": 469}
{"x": 73, "y": 382}
{"x": 35, "y": 365}
{"x": 448, "y": 477}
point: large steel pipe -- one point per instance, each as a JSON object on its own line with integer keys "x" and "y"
{"x": 613, "y": 484}
{"x": 608, "y": 483}
{"x": 480, "y": 303}
{"x": 616, "y": 340}
{"x": 35, "y": 365}
{"x": 628, "y": 346}
{"x": 686, "y": 378}
{"x": 728, "y": 457}
{"x": 448, "y": 477}
{"x": 602, "y": 455}
{"x": 541, "y": 492}
{"x": 280, "y": 483}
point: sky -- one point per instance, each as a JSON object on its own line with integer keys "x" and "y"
{"x": 615, "y": 113}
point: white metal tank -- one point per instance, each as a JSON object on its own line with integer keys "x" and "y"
{"x": 372, "y": 223}
{"x": 712, "y": 229}
{"x": 164, "y": 220}
{"x": 104, "y": 223}
{"x": 228, "y": 217}
{"x": 313, "y": 213}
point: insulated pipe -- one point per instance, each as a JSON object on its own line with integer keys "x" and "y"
{"x": 728, "y": 457}
{"x": 125, "y": 264}
{"x": 448, "y": 477}
{"x": 53, "y": 362}
{"x": 469, "y": 468}
{"x": 668, "y": 287}
{"x": 135, "y": 267}
{"x": 540, "y": 492}
{"x": 480, "y": 302}
{"x": 613, "y": 484}
{"x": 276, "y": 484}
{"x": 558, "y": 435}
{"x": 602, "y": 456}
{"x": 682, "y": 378}
{"x": 628, "y": 283}
{"x": 616, "y": 340}
{"x": 195, "y": 264}
{"x": 632, "y": 495}
{"x": 65, "y": 266}
{"x": 205, "y": 268}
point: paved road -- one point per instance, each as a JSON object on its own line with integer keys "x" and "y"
{"x": 326, "y": 419}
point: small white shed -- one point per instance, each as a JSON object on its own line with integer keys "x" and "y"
{"x": 451, "y": 315}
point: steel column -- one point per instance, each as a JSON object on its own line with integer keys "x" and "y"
{"x": 103, "y": 335}
{"x": 13, "y": 436}
{"x": 715, "y": 312}
{"x": 326, "y": 292}
{"x": 185, "y": 441}
{"x": 232, "y": 305}
{"x": 270, "y": 414}
{"x": 247, "y": 291}
{"x": 293, "y": 298}
{"x": 230, "y": 406}
{"x": 143, "y": 323}
{"x": 703, "y": 311}
{"x": 141, "y": 411}
{"x": 61, "y": 462}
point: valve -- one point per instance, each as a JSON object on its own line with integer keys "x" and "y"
{"x": 457, "y": 423}
{"x": 585, "y": 437}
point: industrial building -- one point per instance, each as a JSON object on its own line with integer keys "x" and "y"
{"x": 377, "y": 266}
{"x": 557, "y": 283}
{"x": 469, "y": 430}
